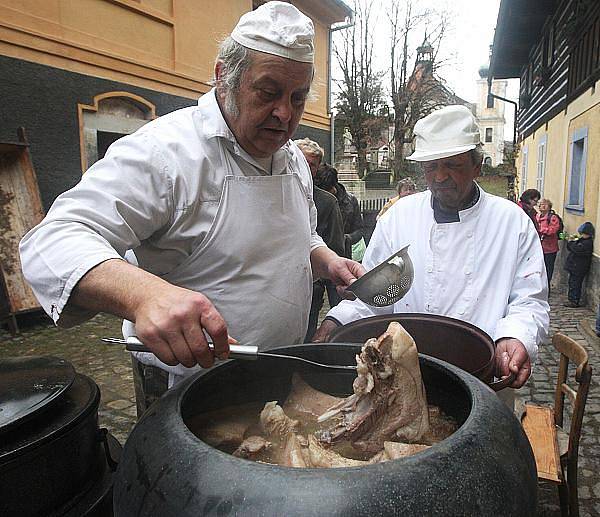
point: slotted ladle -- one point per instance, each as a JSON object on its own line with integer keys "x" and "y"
{"x": 386, "y": 283}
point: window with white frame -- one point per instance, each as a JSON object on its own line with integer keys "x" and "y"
{"x": 524, "y": 169}
{"x": 577, "y": 166}
{"x": 541, "y": 165}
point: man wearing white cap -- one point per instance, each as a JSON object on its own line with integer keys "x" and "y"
{"x": 215, "y": 202}
{"x": 477, "y": 257}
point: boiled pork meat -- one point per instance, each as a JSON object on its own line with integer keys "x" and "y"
{"x": 319, "y": 456}
{"x": 388, "y": 403}
{"x": 252, "y": 447}
{"x": 395, "y": 450}
{"x": 306, "y": 401}
{"x": 292, "y": 449}
{"x": 282, "y": 430}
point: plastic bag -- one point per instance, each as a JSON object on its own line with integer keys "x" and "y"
{"x": 358, "y": 250}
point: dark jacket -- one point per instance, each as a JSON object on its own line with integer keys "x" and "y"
{"x": 329, "y": 220}
{"x": 352, "y": 217}
{"x": 579, "y": 258}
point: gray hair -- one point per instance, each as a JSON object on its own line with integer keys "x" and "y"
{"x": 477, "y": 155}
{"x": 405, "y": 182}
{"x": 310, "y": 147}
{"x": 236, "y": 60}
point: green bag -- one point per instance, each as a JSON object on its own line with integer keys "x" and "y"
{"x": 358, "y": 250}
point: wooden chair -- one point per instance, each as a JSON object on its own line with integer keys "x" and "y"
{"x": 555, "y": 449}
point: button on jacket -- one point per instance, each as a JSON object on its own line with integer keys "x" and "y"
{"x": 487, "y": 269}
{"x": 157, "y": 192}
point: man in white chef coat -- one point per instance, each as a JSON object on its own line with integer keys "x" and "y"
{"x": 214, "y": 200}
{"x": 477, "y": 257}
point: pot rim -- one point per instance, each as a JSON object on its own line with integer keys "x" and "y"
{"x": 417, "y": 316}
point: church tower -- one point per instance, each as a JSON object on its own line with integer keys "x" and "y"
{"x": 490, "y": 116}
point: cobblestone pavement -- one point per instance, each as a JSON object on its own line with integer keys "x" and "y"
{"x": 578, "y": 324}
{"x": 109, "y": 366}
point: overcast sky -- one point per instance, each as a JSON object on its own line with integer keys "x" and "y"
{"x": 467, "y": 45}
{"x": 474, "y": 23}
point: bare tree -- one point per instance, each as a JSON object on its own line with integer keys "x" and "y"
{"x": 415, "y": 90}
{"x": 360, "y": 94}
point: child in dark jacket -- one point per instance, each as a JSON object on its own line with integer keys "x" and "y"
{"x": 578, "y": 261}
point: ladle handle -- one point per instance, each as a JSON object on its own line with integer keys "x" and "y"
{"x": 502, "y": 383}
{"x": 133, "y": 344}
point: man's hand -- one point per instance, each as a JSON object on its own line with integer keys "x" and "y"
{"x": 512, "y": 356}
{"x": 171, "y": 322}
{"x": 341, "y": 271}
{"x": 324, "y": 331}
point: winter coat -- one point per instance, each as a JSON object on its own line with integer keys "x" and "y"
{"x": 580, "y": 256}
{"x": 352, "y": 217}
{"x": 548, "y": 226}
{"x": 329, "y": 220}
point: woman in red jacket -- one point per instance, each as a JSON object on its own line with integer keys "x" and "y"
{"x": 548, "y": 225}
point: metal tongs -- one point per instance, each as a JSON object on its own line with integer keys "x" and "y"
{"x": 246, "y": 352}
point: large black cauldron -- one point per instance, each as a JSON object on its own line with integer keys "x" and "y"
{"x": 485, "y": 468}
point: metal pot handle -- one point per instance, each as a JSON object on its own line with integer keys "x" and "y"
{"x": 103, "y": 437}
{"x": 502, "y": 383}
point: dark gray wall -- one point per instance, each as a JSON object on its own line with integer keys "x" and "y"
{"x": 44, "y": 101}
{"x": 318, "y": 135}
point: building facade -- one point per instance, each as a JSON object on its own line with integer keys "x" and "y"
{"x": 490, "y": 116}
{"x": 79, "y": 75}
{"x": 554, "y": 48}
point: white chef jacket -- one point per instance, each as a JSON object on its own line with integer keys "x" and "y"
{"x": 487, "y": 269}
{"x": 156, "y": 191}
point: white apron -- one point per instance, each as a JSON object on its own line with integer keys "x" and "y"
{"x": 253, "y": 265}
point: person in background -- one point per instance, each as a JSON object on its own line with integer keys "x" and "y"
{"x": 329, "y": 227}
{"x": 477, "y": 257}
{"x": 548, "y": 228}
{"x": 405, "y": 187}
{"x": 578, "y": 261}
{"x": 327, "y": 179}
{"x": 527, "y": 202}
{"x": 213, "y": 206}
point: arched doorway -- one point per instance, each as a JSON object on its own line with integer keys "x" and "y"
{"x": 113, "y": 115}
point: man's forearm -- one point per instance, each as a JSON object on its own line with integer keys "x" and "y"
{"x": 114, "y": 286}
{"x": 319, "y": 259}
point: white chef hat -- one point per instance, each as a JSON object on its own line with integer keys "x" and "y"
{"x": 446, "y": 132}
{"x": 277, "y": 28}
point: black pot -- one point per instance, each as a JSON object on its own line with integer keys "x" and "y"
{"x": 57, "y": 461}
{"x": 485, "y": 468}
{"x": 454, "y": 341}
